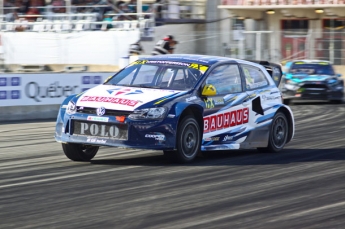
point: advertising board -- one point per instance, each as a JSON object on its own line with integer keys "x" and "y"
{"x": 45, "y": 89}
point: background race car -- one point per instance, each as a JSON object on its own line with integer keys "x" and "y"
{"x": 312, "y": 80}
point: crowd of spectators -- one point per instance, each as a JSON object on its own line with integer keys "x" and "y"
{"x": 101, "y": 11}
{"x": 29, "y": 8}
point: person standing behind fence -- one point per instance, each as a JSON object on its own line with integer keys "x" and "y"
{"x": 136, "y": 49}
{"x": 165, "y": 46}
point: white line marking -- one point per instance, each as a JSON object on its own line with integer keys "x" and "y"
{"x": 66, "y": 177}
{"x": 306, "y": 212}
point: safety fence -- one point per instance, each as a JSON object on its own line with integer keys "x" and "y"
{"x": 108, "y": 47}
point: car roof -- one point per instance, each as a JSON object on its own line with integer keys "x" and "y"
{"x": 199, "y": 59}
{"x": 312, "y": 61}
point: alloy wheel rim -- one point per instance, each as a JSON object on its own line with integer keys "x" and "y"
{"x": 189, "y": 140}
{"x": 279, "y": 132}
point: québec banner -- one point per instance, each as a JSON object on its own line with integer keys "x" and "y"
{"x": 45, "y": 89}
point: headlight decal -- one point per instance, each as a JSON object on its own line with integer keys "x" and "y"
{"x": 71, "y": 108}
{"x": 149, "y": 113}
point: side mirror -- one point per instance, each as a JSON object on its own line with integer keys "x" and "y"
{"x": 209, "y": 90}
{"x": 339, "y": 75}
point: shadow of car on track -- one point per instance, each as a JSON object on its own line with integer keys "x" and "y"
{"x": 238, "y": 157}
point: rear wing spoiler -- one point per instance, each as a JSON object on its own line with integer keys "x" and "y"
{"x": 274, "y": 69}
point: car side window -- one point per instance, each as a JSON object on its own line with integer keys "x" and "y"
{"x": 226, "y": 79}
{"x": 255, "y": 78}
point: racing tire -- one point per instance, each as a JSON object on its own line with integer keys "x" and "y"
{"x": 188, "y": 141}
{"x": 287, "y": 101}
{"x": 79, "y": 152}
{"x": 278, "y": 134}
{"x": 340, "y": 101}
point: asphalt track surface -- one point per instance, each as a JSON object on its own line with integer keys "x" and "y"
{"x": 301, "y": 187}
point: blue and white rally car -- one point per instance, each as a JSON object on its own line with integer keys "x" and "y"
{"x": 181, "y": 104}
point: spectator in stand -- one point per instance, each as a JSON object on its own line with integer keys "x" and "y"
{"x": 122, "y": 9}
{"x": 157, "y": 9}
{"x": 109, "y": 19}
{"x": 58, "y": 6}
{"x": 32, "y": 14}
{"x": 132, "y": 8}
{"x": 38, "y": 4}
{"x": 22, "y": 6}
{"x": 165, "y": 46}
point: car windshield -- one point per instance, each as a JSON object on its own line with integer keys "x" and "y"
{"x": 170, "y": 75}
{"x": 319, "y": 68}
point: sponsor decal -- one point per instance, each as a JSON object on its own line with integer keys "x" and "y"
{"x": 158, "y": 137}
{"x": 264, "y": 97}
{"x": 218, "y": 101}
{"x": 209, "y": 103}
{"x": 191, "y": 98}
{"x": 212, "y": 139}
{"x": 97, "y": 119}
{"x": 125, "y": 91}
{"x": 95, "y": 140}
{"x": 125, "y": 102}
{"x": 227, "y": 138}
{"x": 225, "y": 120}
{"x": 167, "y": 62}
{"x": 101, "y": 130}
{"x": 200, "y": 67}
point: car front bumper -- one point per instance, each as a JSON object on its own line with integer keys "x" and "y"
{"x": 148, "y": 134}
{"x": 313, "y": 92}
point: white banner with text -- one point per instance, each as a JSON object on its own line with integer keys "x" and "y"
{"x": 45, "y": 89}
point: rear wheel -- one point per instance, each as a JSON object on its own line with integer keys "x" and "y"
{"x": 278, "y": 134}
{"x": 188, "y": 141}
{"x": 79, "y": 152}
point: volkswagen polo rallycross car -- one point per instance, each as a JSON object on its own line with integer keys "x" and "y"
{"x": 181, "y": 104}
{"x": 312, "y": 80}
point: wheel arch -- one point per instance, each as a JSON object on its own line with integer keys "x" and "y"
{"x": 196, "y": 111}
{"x": 289, "y": 116}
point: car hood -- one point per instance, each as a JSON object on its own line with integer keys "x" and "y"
{"x": 299, "y": 78}
{"x": 122, "y": 98}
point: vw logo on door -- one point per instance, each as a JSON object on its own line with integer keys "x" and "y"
{"x": 100, "y": 111}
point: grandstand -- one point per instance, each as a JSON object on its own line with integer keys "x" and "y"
{"x": 63, "y": 34}
{"x": 89, "y": 35}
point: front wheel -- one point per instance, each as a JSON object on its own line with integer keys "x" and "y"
{"x": 79, "y": 152}
{"x": 188, "y": 141}
{"x": 278, "y": 134}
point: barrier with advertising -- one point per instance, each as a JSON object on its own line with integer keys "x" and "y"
{"x": 45, "y": 89}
